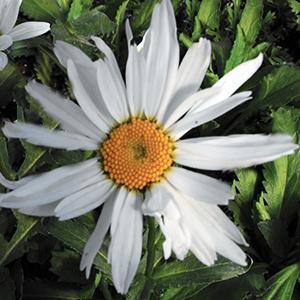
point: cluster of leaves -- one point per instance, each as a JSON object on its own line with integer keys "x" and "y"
{"x": 39, "y": 258}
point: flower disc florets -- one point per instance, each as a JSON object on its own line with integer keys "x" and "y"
{"x": 137, "y": 153}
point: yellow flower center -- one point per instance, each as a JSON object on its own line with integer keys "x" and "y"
{"x": 137, "y": 154}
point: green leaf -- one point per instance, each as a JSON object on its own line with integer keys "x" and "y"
{"x": 93, "y": 22}
{"x": 79, "y": 31}
{"x": 190, "y": 271}
{"x": 75, "y": 10}
{"x": 78, "y": 7}
{"x": 16, "y": 247}
{"x": 275, "y": 235}
{"x": 10, "y": 78}
{"x": 236, "y": 288}
{"x": 43, "y": 68}
{"x": 281, "y": 86}
{"x": 187, "y": 41}
{"x": 281, "y": 285}
{"x": 247, "y": 32}
{"x": 209, "y": 14}
{"x": 282, "y": 182}
{"x": 5, "y": 166}
{"x": 143, "y": 14}
{"x": 275, "y": 174}
{"x": 119, "y": 20}
{"x": 42, "y": 10}
{"x": 65, "y": 264}
{"x": 75, "y": 234}
{"x": 245, "y": 188}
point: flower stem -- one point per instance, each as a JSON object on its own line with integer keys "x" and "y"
{"x": 105, "y": 290}
{"x": 146, "y": 293}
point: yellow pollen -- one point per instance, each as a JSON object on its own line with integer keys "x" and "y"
{"x": 137, "y": 154}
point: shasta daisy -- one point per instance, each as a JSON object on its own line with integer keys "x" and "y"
{"x": 140, "y": 160}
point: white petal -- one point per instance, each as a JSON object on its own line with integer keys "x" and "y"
{"x": 118, "y": 206}
{"x": 54, "y": 185}
{"x": 112, "y": 91}
{"x": 199, "y": 186}
{"x": 3, "y": 60}
{"x": 162, "y": 60}
{"x": 227, "y": 248}
{"x": 111, "y": 82}
{"x": 5, "y": 42}
{"x": 69, "y": 114}
{"x": 236, "y": 151}
{"x": 193, "y": 120}
{"x": 221, "y": 237}
{"x": 229, "y": 83}
{"x": 43, "y": 136}
{"x": 176, "y": 112}
{"x": 110, "y": 60}
{"x": 96, "y": 239}
{"x": 156, "y": 200}
{"x": 9, "y": 14}
{"x": 201, "y": 242}
{"x": 46, "y": 210}
{"x": 159, "y": 203}
{"x": 126, "y": 244}
{"x": 87, "y": 93}
{"x": 191, "y": 73}
{"x": 143, "y": 46}
{"x": 12, "y": 185}
{"x": 135, "y": 81}
{"x": 28, "y": 30}
{"x": 65, "y": 51}
{"x": 84, "y": 200}
{"x": 218, "y": 219}
{"x": 234, "y": 79}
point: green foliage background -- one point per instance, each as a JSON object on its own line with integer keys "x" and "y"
{"x": 39, "y": 258}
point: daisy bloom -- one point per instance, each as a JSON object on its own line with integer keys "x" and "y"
{"x": 9, "y": 10}
{"x": 140, "y": 161}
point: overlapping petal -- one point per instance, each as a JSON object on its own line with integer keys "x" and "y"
{"x": 235, "y": 151}
{"x": 126, "y": 245}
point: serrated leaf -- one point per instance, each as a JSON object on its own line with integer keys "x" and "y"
{"x": 75, "y": 11}
{"x": 78, "y": 32}
{"x": 78, "y": 7}
{"x": 281, "y": 285}
{"x": 26, "y": 227}
{"x": 281, "y": 86}
{"x": 282, "y": 182}
{"x": 275, "y": 184}
{"x": 247, "y": 32}
{"x": 42, "y": 10}
{"x": 209, "y": 14}
{"x": 190, "y": 271}
{"x": 245, "y": 188}
{"x": 43, "y": 68}
{"x": 10, "y": 77}
{"x": 75, "y": 234}
{"x": 119, "y": 20}
{"x": 143, "y": 14}
{"x": 93, "y": 22}
{"x": 5, "y": 166}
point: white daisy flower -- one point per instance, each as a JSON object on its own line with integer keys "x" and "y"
{"x": 139, "y": 166}
{"x": 9, "y": 10}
